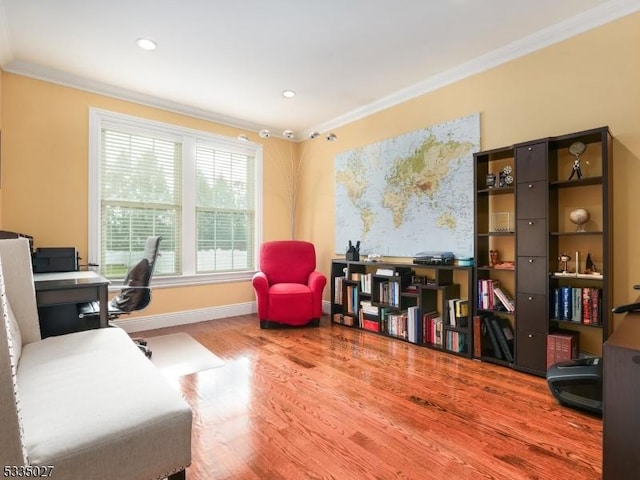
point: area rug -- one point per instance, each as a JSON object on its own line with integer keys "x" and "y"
{"x": 180, "y": 354}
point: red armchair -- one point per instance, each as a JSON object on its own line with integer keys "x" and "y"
{"x": 288, "y": 287}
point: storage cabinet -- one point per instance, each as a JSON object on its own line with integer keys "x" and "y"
{"x": 422, "y": 304}
{"x": 547, "y": 190}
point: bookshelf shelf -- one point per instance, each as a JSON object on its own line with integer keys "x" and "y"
{"x": 546, "y": 189}
{"x": 436, "y": 315}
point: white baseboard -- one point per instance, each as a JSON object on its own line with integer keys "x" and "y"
{"x": 151, "y": 322}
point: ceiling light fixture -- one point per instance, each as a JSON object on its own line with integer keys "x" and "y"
{"x": 292, "y": 166}
{"x": 146, "y": 44}
{"x": 288, "y": 93}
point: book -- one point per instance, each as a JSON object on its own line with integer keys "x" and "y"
{"x": 489, "y": 331}
{"x": 504, "y": 335}
{"x": 566, "y": 303}
{"x": 370, "y": 325}
{"x": 596, "y": 310}
{"x": 561, "y": 346}
{"x": 556, "y": 309}
{"x": 427, "y": 326}
{"x": 477, "y": 337}
{"x": 586, "y": 306}
{"x": 576, "y": 305}
{"x": 504, "y": 298}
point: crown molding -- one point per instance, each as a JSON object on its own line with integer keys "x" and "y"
{"x": 65, "y": 79}
{"x": 583, "y": 22}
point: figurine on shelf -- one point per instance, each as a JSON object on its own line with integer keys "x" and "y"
{"x": 590, "y": 267}
{"x": 576, "y": 149}
{"x": 564, "y": 258}
{"x": 493, "y": 258}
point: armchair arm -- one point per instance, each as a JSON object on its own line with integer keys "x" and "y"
{"x": 261, "y": 287}
{"x": 317, "y": 282}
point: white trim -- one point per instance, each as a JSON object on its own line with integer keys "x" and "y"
{"x": 583, "y": 22}
{"x": 590, "y": 19}
{"x": 99, "y": 119}
{"x": 151, "y": 322}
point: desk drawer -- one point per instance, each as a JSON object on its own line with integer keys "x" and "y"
{"x": 71, "y": 295}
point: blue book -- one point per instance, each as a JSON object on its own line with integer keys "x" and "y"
{"x": 557, "y": 300}
{"x": 567, "y": 303}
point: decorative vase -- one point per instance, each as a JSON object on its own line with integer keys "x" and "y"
{"x": 580, "y": 216}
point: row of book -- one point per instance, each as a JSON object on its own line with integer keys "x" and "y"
{"x": 364, "y": 279}
{"x": 496, "y": 335}
{"x": 458, "y": 312}
{"x": 411, "y": 325}
{"x": 389, "y": 293}
{"x": 580, "y": 305}
{"x": 491, "y": 296}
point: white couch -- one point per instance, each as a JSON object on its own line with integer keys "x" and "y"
{"x": 89, "y": 404}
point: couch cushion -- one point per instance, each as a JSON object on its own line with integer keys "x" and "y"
{"x": 95, "y": 407}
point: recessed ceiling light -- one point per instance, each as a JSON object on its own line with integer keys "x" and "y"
{"x": 146, "y": 44}
{"x": 288, "y": 93}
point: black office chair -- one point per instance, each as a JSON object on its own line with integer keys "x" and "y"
{"x": 630, "y": 307}
{"x": 135, "y": 294}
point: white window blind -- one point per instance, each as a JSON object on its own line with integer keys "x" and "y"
{"x": 141, "y": 196}
{"x": 225, "y": 212}
{"x": 199, "y": 191}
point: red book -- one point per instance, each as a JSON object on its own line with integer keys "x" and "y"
{"x": 595, "y": 305}
{"x": 477, "y": 337}
{"x": 370, "y": 325}
{"x": 586, "y": 305}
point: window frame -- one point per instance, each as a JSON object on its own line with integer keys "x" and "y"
{"x": 99, "y": 119}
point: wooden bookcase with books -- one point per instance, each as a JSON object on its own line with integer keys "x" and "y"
{"x": 421, "y": 304}
{"x": 544, "y": 239}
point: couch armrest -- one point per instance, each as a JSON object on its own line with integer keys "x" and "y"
{"x": 261, "y": 287}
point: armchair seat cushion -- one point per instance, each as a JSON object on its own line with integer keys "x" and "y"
{"x": 290, "y": 303}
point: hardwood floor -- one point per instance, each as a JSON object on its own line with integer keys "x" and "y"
{"x": 338, "y": 403}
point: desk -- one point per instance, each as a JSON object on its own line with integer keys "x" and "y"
{"x": 65, "y": 288}
{"x": 621, "y": 417}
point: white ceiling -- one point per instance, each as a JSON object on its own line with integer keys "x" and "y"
{"x": 229, "y": 61}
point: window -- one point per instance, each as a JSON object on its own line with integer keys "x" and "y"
{"x": 198, "y": 191}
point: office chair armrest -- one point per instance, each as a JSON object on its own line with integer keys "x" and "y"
{"x": 631, "y": 307}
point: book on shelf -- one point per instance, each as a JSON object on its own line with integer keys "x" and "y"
{"x": 338, "y": 283}
{"x": 352, "y": 299}
{"x": 395, "y": 326}
{"x": 367, "y": 307}
{"x": 385, "y": 272}
{"x": 458, "y": 312}
{"x": 456, "y": 341}
{"x": 477, "y": 337}
{"x": 432, "y": 328}
{"x": 577, "y": 304}
{"x": 504, "y": 335}
{"x": 562, "y": 346}
{"x": 566, "y": 303}
{"x": 343, "y": 319}
{"x": 504, "y": 298}
{"x": 414, "y": 327}
{"x": 488, "y": 330}
{"x": 365, "y": 283}
{"x": 370, "y": 325}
